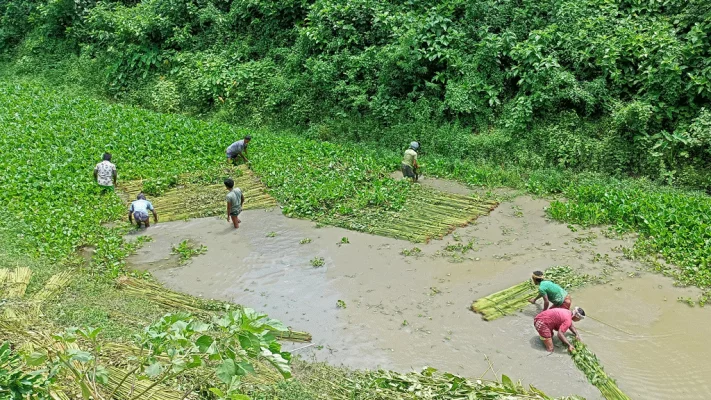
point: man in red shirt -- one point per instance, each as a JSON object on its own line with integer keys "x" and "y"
{"x": 557, "y": 319}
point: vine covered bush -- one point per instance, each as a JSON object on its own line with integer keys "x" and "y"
{"x": 623, "y": 86}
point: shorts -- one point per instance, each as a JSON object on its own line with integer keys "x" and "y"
{"x": 565, "y": 304}
{"x": 407, "y": 171}
{"x": 232, "y": 156}
{"x": 543, "y": 330}
{"x": 140, "y": 216}
{"x": 235, "y": 213}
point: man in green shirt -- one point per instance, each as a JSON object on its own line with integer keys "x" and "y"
{"x": 553, "y": 295}
{"x": 409, "y": 162}
{"x": 234, "y": 199}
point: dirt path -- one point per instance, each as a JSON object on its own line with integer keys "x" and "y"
{"x": 405, "y": 312}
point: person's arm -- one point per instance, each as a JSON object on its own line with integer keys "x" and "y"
{"x": 229, "y": 210}
{"x": 563, "y": 339}
{"x": 155, "y": 216}
{"x": 546, "y": 302}
{"x": 96, "y": 174}
{"x": 415, "y": 165}
{"x": 533, "y": 301}
{"x": 114, "y": 175}
{"x": 242, "y": 154}
{"x": 575, "y": 332}
{"x": 130, "y": 215}
{"x": 241, "y": 196}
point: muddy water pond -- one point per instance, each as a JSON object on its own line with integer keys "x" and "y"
{"x": 405, "y": 312}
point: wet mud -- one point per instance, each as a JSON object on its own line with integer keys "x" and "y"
{"x": 405, "y": 312}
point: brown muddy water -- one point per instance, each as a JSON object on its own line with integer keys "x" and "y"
{"x": 407, "y": 312}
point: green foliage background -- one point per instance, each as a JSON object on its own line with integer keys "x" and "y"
{"x": 615, "y": 86}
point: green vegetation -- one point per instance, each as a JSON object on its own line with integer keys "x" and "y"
{"x": 317, "y": 262}
{"x": 566, "y": 98}
{"x": 187, "y": 250}
{"x": 672, "y": 224}
{"x": 619, "y": 87}
{"x": 415, "y": 251}
{"x": 318, "y": 380}
{"x": 305, "y": 241}
{"x": 499, "y": 93}
{"x": 15, "y": 382}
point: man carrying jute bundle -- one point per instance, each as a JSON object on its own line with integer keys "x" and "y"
{"x": 409, "y": 162}
{"x": 553, "y": 295}
{"x": 557, "y": 319}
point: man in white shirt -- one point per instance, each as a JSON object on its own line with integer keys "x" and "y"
{"x": 105, "y": 173}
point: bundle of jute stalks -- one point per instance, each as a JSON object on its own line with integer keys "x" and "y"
{"x": 515, "y": 298}
{"x": 427, "y": 214}
{"x": 192, "y": 304}
{"x": 196, "y": 195}
{"x": 588, "y": 364}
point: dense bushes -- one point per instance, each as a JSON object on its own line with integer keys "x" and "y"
{"x": 619, "y": 86}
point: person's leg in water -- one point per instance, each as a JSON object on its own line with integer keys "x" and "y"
{"x": 548, "y": 342}
{"x": 545, "y": 334}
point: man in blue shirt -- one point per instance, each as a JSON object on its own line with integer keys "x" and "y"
{"x": 139, "y": 210}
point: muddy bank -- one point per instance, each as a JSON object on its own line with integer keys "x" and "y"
{"x": 405, "y": 312}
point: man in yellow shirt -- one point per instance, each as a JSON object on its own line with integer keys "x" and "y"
{"x": 409, "y": 162}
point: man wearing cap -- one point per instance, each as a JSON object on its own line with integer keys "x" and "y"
{"x": 553, "y": 295}
{"x": 557, "y": 319}
{"x": 139, "y": 210}
{"x": 409, "y": 162}
{"x": 238, "y": 148}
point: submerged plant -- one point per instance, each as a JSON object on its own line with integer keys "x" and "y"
{"x": 415, "y": 251}
{"x": 317, "y": 262}
{"x": 187, "y": 250}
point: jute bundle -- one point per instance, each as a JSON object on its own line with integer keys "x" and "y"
{"x": 16, "y": 282}
{"x": 192, "y": 198}
{"x": 515, "y": 298}
{"x": 194, "y": 305}
{"x": 588, "y": 364}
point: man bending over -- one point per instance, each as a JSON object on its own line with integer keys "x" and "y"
{"x": 139, "y": 210}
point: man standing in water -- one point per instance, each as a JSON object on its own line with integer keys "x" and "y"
{"x": 105, "y": 173}
{"x": 234, "y": 199}
{"x": 553, "y": 295}
{"x": 238, "y": 149}
{"x": 139, "y": 210}
{"x": 557, "y": 319}
{"x": 409, "y": 162}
